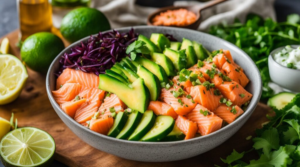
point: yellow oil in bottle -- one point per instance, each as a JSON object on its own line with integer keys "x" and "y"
{"x": 35, "y": 16}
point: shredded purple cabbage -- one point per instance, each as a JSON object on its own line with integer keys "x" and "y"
{"x": 99, "y": 53}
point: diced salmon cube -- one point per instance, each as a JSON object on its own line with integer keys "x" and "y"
{"x": 102, "y": 125}
{"x": 206, "y": 97}
{"x": 67, "y": 92}
{"x": 181, "y": 105}
{"x": 235, "y": 73}
{"x": 161, "y": 108}
{"x": 207, "y": 121}
{"x": 234, "y": 92}
{"x": 228, "y": 114}
{"x": 71, "y": 107}
{"x": 189, "y": 128}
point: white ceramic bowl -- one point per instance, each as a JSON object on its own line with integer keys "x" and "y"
{"x": 286, "y": 77}
{"x": 165, "y": 151}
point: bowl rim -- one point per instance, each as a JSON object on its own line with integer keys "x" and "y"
{"x": 251, "y": 107}
{"x": 272, "y": 54}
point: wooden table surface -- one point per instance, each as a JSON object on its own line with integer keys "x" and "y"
{"x": 33, "y": 108}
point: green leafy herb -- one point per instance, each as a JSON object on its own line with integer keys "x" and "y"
{"x": 200, "y": 63}
{"x": 136, "y": 48}
{"x": 234, "y": 156}
{"x": 178, "y": 93}
{"x": 188, "y": 96}
{"x": 108, "y": 94}
{"x": 233, "y": 110}
{"x": 112, "y": 109}
{"x": 242, "y": 95}
{"x": 217, "y": 92}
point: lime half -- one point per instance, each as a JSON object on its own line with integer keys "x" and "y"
{"x": 27, "y": 147}
{"x": 13, "y": 76}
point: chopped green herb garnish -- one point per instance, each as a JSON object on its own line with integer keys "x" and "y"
{"x": 205, "y": 113}
{"x": 178, "y": 93}
{"x": 77, "y": 98}
{"x": 217, "y": 92}
{"x": 208, "y": 85}
{"x": 242, "y": 95}
{"x": 107, "y": 94}
{"x": 228, "y": 103}
{"x": 112, "y": 109}
{"x": 188, "y": 96}
{"x": 192, "y": 100}
{"x": 223, "y": 100}
{"x": 215, "y": 52}
{"x": 171, "y": 83}
{"x": 233, "y": 110}
{"x": 180, "y": 101}
{"x": 168, "y": 86}
{"x": 163, "y": 84}
{"x": 184, "y": 75}
{"x": 200, "y": 64}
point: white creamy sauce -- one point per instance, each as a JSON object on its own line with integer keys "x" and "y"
{"x": 288, "y": 57}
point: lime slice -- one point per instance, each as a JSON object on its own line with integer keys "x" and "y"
{"x": 5, "y": 127}
{"x": 4, "y": 48}
{"x": 13, "y": 76}
{"x": 27, "y": 147}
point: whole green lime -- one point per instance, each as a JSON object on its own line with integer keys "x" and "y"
{"x": 82, "y": 22}
{"x": 39, "y": 50}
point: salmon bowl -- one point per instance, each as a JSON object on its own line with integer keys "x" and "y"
{"x": 164, "y": 151}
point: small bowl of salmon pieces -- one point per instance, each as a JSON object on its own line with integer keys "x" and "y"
{"x": 153, "y": 94}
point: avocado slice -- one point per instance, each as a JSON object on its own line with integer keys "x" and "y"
{"x": 200, "y": 51}
{"x": 191, "y": 57}
{"x": 117, "y": 76}
{"x": 186, "y": 43}
{"x": 118, "y": 125}
{"x": 132, "y": 76}
{"x": 151, "y": 46}
{"x": 151, "y": 81}
{"x": 175, "y": 135}
{"x": 129, "y": 63}
{"x": 162, "y": 127}
{"x": 177, "y": 57}
{"x": 153, "y": 67}
{"x": 118, "y": 71}
{"x": 164, "y": 62}
{"x": 160, "y": 41}
{"x": 175, "y": 45}
{"x": 131, "y": 123}
{"x": 144, "y": 126}
{"x": 136, "y": 95}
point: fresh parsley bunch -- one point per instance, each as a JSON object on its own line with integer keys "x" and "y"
{"x": 258, "y": 37}
{"x": 277, "y": 143}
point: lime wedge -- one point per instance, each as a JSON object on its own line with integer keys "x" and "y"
{"x": 4, "y": 48}
{"x": 5, "y": 127}
{"x": 13, "y": 76}
{"x": 27, "y": 147}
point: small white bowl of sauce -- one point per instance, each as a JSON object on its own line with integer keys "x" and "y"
{"x": 284, "y": 67}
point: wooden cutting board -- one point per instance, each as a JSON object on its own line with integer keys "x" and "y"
{"x": 33, "y": 108}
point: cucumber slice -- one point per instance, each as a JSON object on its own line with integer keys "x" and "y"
{"x": 151, "y": 81}
{"x": 117, "y": 76}
{"x": 160, "y": 41}
{"x": 201, "y": 52}
{"x": 118, "y": 125}
{"x": 175, "y": 45}
{"x": 133, "y": 120}
{"x": 162, "y": 127}
{"x": 281, "y": 99}
{"x": 164, "y": 62}
{"x": 177, "y": 57}
{"x": 175, "y": 135}
{"x": 144, "y": 126}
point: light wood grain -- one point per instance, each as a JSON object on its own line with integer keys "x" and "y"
{"x": 33, "y": 108}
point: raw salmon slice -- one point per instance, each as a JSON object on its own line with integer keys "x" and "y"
{"x": 222, "y": 58}
{"x": 89, "y": 80}
{"x": 209, "y": 98}
{"x": 161, "y": 108}
{"x": 235, "y": 73}
{"x": 102, "y": 125}
{"x": 181, "y": 105}
{"x": 207, "y": 121}
{"x": 189, "y": 128}
{"x": 67, "y": 92}
{"x": 94, "y": 99}
{"x": 185, "y": 84}
{"x": 203, "y": 69}
{"x": 71, "y": 107}
{"x": 234, "y": 92}
{"x": 112, "y": 101}
{"x": 228, "y": 114}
